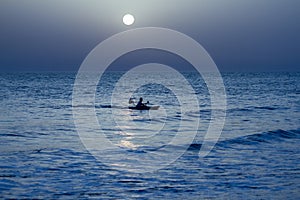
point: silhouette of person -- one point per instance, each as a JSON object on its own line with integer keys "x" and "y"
{"x": 140, "y": 103}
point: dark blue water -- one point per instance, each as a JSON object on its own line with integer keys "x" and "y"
{"x": 257, "y": 156}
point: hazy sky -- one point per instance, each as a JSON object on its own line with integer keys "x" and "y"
{"x": 240, "y": 35}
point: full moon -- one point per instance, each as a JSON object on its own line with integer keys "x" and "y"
{"x": 128, "y": 19}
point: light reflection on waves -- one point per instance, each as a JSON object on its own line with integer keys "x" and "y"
{"x": 144, "y": 132}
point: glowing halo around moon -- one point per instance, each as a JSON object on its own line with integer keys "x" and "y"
{"x": 128, "y": 19}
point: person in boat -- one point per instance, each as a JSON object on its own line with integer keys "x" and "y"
{"x": 140, "y": 103}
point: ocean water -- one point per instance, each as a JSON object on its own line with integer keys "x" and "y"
{"x": 256, "y": 157}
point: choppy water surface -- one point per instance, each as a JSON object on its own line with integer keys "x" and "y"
{"x": 257, "y": 156}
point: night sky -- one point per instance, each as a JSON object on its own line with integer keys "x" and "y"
{"x": 56, "y": 35}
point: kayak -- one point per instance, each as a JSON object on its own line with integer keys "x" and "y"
{"x": 144, "y": 108}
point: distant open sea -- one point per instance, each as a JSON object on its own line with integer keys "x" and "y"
{"x": 256, "y": 157}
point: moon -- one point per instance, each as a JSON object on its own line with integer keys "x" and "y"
{"x": 128, "y": 19}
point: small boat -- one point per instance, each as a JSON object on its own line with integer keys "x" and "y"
{"x": 144, "y": 107}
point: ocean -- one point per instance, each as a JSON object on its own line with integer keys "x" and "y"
{"x": 42, "y": 154}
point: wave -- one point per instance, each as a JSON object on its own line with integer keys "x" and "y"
{"x": 265, "y": 108}
{"x": 98, "y": 106}
{"x": 267, "y": 137}
{"x": 255, "y": 139}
